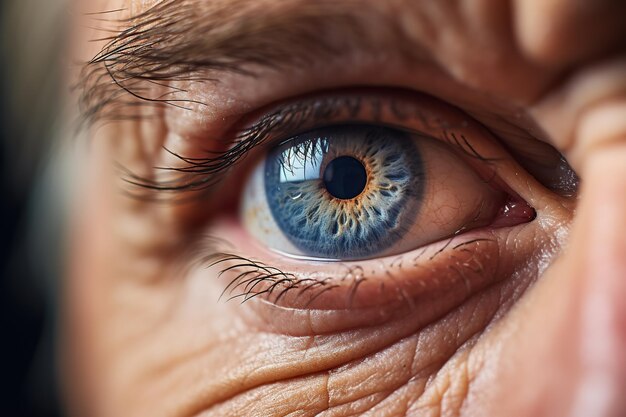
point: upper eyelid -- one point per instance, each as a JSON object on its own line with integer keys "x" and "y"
{"x": 206, "y": 172}
{"x": 290, "y": 119}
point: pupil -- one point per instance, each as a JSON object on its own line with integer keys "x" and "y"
{"x": 345, "y": 177}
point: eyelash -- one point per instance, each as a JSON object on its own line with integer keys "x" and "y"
{"x": 252, "y": 273}
{"x": 250, "y": 278}
{"x": 201, "y": 174}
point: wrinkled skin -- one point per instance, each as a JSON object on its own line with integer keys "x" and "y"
{"x": 144, "y": 337}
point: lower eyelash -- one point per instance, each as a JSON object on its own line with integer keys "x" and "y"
{"x": 251, "y": 274}
{"x": 256, "y": 279}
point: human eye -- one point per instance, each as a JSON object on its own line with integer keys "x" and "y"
{"x": 471, "y": 205}
{"x": 365, "y": 199}
{"x": 359, "y": 191}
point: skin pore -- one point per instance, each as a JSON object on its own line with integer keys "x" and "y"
{"x": 522, "y": 319}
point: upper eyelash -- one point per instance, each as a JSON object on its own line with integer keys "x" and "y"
{"x": 461, "y": 142}
{"x": 203, "y": 173}
{"x": 200, "y": 174}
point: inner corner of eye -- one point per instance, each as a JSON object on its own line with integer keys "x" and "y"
{"x": 359, "y": 192}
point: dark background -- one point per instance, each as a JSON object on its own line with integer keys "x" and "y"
{"x": 27, "y": 302}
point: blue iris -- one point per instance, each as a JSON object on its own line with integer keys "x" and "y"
{"x": 345, "y": 192}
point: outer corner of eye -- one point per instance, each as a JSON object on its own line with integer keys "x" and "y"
{"x": 361, "y": 191}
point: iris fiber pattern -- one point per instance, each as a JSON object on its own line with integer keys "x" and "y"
{"x": 324, "y": 226}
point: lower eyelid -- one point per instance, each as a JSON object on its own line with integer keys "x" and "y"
{"x": 425, "y": 282}
{"x": 338, "y": 296}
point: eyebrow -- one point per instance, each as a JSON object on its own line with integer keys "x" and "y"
{"x": 195, "y": 40}
{"x": 199, "y": 40}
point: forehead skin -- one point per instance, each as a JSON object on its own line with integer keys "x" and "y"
{"x": 543, "y": 28}
{"x": 470, "y": 38}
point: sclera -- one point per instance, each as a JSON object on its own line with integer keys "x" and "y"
{"x": 455, "y": 198}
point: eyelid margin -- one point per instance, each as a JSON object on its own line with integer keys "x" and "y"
{"x": 390, "y": 107}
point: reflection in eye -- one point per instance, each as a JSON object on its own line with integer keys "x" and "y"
{"x": 359, "y": 191}
{"x": 345, "y": 192}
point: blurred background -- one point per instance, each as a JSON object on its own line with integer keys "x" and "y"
{"x": 31, "y": 91}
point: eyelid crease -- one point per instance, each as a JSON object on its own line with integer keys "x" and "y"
{"x": 294, "y": 118}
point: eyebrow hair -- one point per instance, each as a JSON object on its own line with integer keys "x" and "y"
{"x": 195, "y": 40}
